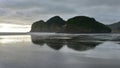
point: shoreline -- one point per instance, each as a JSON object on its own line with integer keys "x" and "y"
{"x": 13, "y": 33}
{"x": 53, "y": 33}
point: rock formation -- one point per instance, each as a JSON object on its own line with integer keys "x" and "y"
{"x": 78, "y": 24}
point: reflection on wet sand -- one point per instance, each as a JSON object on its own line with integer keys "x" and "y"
{"x": 75, "y": 43}
{"x": 6, "y": 39}
{"x": 65, "y": 51}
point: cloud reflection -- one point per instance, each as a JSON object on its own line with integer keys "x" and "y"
{"x": 14, "y": 39}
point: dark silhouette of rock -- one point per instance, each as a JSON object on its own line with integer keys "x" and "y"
{"x": 78, "y": 24}
{"x": 56, "y": 20}
{"x": 83, "y": 24}
{"x": 56, "y": 24}
{"x": 115, "y": 27}
{"x": 39, "y": 26}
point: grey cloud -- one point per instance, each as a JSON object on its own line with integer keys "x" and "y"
{"x": 17, "y": 4}
{"x": 104, "y": 2}
{"x": 46, "y": 6}
{"x": 30, "y": 10}
{"x": 3, "y": 12}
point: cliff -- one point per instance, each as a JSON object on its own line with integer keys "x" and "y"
{"x": 78, "y": 24}
{"x": 54, "y": 24}
{"x": 86, "y": 25}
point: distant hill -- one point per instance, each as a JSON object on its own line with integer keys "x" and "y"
{"x": 115, "y": 27}
{"x": 78, "y": 24}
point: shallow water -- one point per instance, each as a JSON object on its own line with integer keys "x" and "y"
{"x": 50, "y": 50}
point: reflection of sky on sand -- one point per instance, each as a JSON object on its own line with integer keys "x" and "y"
{"x": 14, "y": 39}
{"x": 106, "y": 50}
{"x": 15, "y": 54}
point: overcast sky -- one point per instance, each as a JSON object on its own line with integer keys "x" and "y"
{"x": 28, "y": 11}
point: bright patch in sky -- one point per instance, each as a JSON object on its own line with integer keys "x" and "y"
{"x": 14, "y": 28}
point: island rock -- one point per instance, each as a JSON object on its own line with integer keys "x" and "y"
{"x": 83, "y": 24}
{"x": 78, "y": 24}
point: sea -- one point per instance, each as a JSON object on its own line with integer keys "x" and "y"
{"x": 59, "y": 50}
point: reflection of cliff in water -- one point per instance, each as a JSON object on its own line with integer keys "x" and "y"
{"x": 73, "y": 43}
